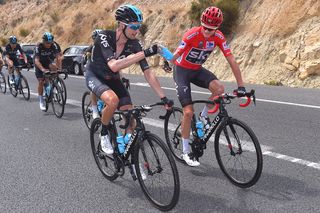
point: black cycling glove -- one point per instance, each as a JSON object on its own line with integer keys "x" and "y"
{"x": 151, "y": 50}
{"x": 126, "y": 83}
{"x": 166, "y": 67}
{"x": 167, "y": 101}
{"x": 241, "y": 91}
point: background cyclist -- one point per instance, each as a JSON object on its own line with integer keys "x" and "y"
{"x": 12, "y": 52}
{"x": 113, "y": 51}
{"x": 194, "y": 49}
{"x": 47, "y": 58}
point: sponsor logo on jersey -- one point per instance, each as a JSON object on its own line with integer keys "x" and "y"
{"x": 219, "y": 35}
{"x": 198, "y": 56}
{"x": 182, "y": 45}
{"x": 225, "y": 46}
{"x": 104, "y": 40}
{"x": 192, "y": 35}
{"x": 200, "y": 45}
{"x": 210, "y": 44}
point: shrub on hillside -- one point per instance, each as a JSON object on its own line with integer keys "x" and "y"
{"x": 3, "y": 41}
{"x": 55, "y": 17}
{"x": 230, "y": 9}
{"x": 24, "y": 32}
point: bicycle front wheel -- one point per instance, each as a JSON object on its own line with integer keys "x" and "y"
{"x": 172, "y": 131}
{"x": 57, "y": 101}
{"x": 12, "y": 89}
{"x": 238, "y": 153}
{"x": 3, "y": 84}
{"x": 86, "y": 109}
{"x": 24, "y": 87}
{"x": 157, "y": 172}
{"x": 63, "y": 87}
{"x": 105, "y": 163}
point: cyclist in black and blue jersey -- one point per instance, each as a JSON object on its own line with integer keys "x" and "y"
{"x": 113, "y": 51}
{"x": 95, "y": 113}
{"x": 47, "y": 59}
{"x": 12, "y": 52}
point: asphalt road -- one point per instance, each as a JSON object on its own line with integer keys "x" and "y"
{"x": 47, "y": 166}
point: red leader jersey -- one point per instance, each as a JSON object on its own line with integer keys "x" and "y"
{"x": 194, "y": 48}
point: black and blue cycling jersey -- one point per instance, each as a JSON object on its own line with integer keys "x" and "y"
{"x": 104, "y": 49}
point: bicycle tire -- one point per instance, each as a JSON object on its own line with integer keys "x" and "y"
{"x": 12, "y": 89}
{"x": 172, "y": 133}
{"x": 25, "y": 90}
{"x": 86, "y": 109}
{"x": 98, "y": 153}
{"x": 63, "y": 88}
{"x": 3, "y": 84}
{"x": 145, "y": 150}
{"x": 57, "y": 100}
{"x": 238, "y": 129}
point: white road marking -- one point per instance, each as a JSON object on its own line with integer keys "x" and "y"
{"x": 265, "y": 149}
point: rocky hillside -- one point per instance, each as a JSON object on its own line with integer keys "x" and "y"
{"x": 275, "y": 42}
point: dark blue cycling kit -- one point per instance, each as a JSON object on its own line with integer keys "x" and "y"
{"x": 99, "y": 76}
{"x": 46, "y": 56}
{"x": 14, "y": 53}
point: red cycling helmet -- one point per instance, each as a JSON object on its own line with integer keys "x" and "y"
{"x": 211, "y": 17}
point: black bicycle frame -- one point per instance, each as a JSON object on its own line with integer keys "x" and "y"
{"x": 222, "y": 116}
{"x": 137, "y": 133}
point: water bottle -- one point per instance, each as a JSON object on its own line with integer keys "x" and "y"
{"x": 48, "y": 88}
{"x": 17, "y": 79}
{"x": 127, "y": 138}
{"x": 164, "y": 52}
{"x": 120, "y": 142}
{"x": 100, "y": 105}
{"x": 199, "y": 126}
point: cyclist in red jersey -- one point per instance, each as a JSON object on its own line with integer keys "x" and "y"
{"x": 194, "y": 49}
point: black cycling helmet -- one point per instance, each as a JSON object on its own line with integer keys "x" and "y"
{"x": 13, "y": 39}
{"x": 128, "y": 13}
{"x": 95, "y": 33}
{"x": 48, "y": 37}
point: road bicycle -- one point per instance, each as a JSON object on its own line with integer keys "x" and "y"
{"x": 19, "y": 85}
{"x": 53, "y": 93}
{"x": 237, "y": 148}
{"x": 86, "y": 104}
{"x": 145, "y": 154}
{"x": 3, "y": 84}
{"x": 63, "y": 87}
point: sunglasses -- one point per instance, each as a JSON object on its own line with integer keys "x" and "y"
{"x": 133, "y": 26}
{"x": 210, "y": 29}
{"x": 47, "y": 42}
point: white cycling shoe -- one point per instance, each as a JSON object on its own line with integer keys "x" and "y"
{"x": 106, "y": 145}
{"x": 189, "y": 161}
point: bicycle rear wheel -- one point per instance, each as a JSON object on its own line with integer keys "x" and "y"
{"x": 238, "y": 153}
{"x": 3, "y": 84}
{"x": 86, "y": 109}
{"x": 24, "y": 87}
{"x": 12, "y": 89}
{"x": 63, "y": 87}
{"x": 161, "y": 185}
{"x": 57, "y": 100}
{"x": 105, "y": 163}
{"x": 172, "y": 131}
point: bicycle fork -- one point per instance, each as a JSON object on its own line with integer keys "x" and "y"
{"x": 230, "y": 146}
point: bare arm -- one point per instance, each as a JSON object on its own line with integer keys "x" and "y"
{"x": 236, "y": 70}
{"x": 153, "y": 82}
{"x": 117, "y": 64}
